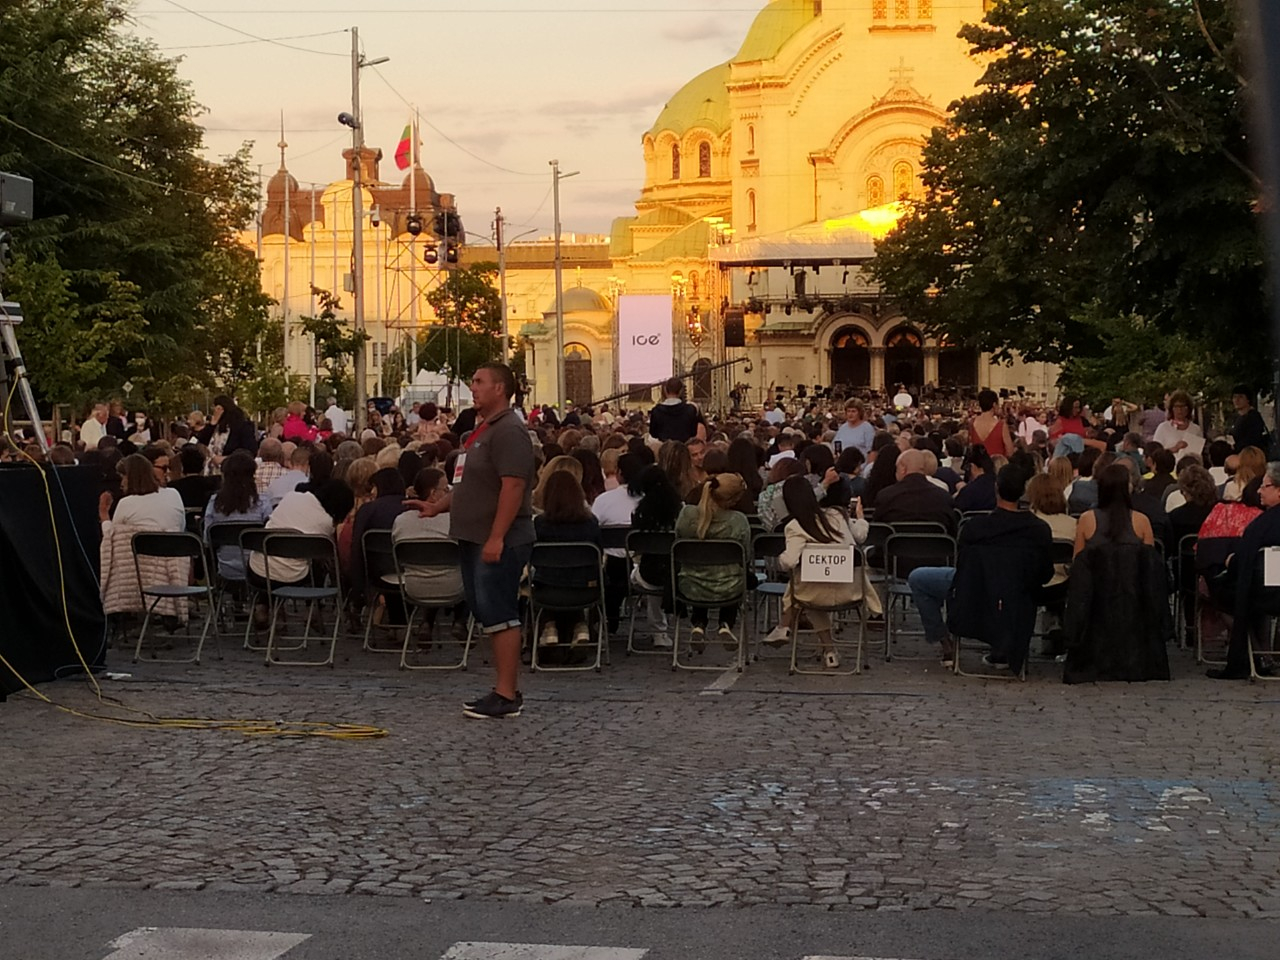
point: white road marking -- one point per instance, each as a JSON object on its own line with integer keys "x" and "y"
{"x": 534, "y": 951}
{"x": 177, "y": 943}
{"x": 850, "y": 958}
{"x": 722, "y": 683}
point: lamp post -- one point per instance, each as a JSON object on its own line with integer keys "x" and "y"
{"x": 499, "y": 231}
{"x": 557, "y": 176}
{"x": 617, "y": 287}
{"x": 679, "y": 288}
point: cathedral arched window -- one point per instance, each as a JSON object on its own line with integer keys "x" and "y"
{"x": 751, "y": 209}
{"x": 751, "y": 139}
{"x": 704, "y": 159}
{"x": 875, "y": 191}
{"x": 675, "y": 161}
{"x": 693, "y": 286}
{"x": 903, "y": 180}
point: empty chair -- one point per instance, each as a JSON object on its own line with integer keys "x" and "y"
{"x": 181, "y": 549}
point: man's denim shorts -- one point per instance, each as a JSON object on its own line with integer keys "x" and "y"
{"x": 493, "y": 590}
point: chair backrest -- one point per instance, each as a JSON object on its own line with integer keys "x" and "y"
{"x": 690, "y": 553}
{"x": 228, "y": 534}
{"x": 906, "y": 551}
{"x": 376, "y": 543}
{"x": 877, "y": 534}
{"x": 566, "y": 574}
{"x": 184, "y": 544}
{"x": 614, "y": 537}
{"x": 566, "y": 555}
{"x": 765, "y": 546}
{"x": 919, "y": 526}
{"x": 298, "y": 546}
{"x": 1062, "y": 551}
{"x": 650, "y": 543}
{"x": 427, "y": 553}
{"x": 252, "y": 538}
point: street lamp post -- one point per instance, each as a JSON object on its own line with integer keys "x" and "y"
{"x": 557, "y": 176}
{"x": 679, "y": 288}
{"x": 617, "y": 287}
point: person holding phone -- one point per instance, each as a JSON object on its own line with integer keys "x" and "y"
{"x": 855, "y": 431}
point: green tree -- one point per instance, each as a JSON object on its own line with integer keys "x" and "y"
{"x": 125, "y": 202}
{"x": 336, "y": 344}
{"x": 1094, "y": 196}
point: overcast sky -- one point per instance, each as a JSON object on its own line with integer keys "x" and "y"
{"x": 514, "y": 83}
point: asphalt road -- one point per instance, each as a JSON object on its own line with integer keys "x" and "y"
{"x": 78, "y": 924}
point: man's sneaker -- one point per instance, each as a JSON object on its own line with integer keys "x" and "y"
{"x": 727, "y": 639}
{"x": 698, "y": 635}
{"x": 779, "y": 636}
{"x": 471, "y": 704}
{"x": 550, "y": 635}
{"x": 494, "y": 706}
{"x": 662, "y": 640}
{"x": 581, "y": 634}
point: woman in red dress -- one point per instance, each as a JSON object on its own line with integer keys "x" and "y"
{"x": 988, "y": 429}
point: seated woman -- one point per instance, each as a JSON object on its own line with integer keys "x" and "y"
{"x": 237, "y": 501}
{"x": 716, "y": 517}
{"x": 770, "y": 507}
{"x": 557, "y": 464}
{"x": 144, "y": 507}
{"x": 826, "y": 526}
{"x": 565, "y": 518}
{"x": 656, "y": 512}
{"x": 1118, "y": 618}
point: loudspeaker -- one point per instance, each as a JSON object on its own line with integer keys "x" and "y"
{"x": 735, "y": 328}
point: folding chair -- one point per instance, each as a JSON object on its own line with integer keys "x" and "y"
{"x": 835, "y": 610}
{"x": 167, "y": 546}
{"x": 689, "y": 554}
{"x": 904, "y": 552}
{"x": 378, "y": 556}
{"x": 766, "y": 548}
{"x": 583, "y": 565}
{"x": 415, "y": 557}
{"x": 1270, "y": 606}
{"x": 314, "y": 549}
{"x": 1184, "y": 567}
{"x": 251, "y": 541}
{"x": 226, "y": 536}
{"x": 644, "y": 543}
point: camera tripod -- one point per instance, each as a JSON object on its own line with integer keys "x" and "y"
{"x": 11, "y": 365}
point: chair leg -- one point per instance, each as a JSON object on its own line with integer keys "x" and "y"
{"x": 146, "y": 621}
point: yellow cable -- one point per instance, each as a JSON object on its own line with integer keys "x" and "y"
{"x": 247, "y": 727}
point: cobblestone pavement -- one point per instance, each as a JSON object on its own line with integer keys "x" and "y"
{"x": 905, "y": 788}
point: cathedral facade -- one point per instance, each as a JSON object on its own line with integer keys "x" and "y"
{"x": 768, "y": 179}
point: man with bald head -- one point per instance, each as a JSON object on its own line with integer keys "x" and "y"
{"x": 913, "y": 497}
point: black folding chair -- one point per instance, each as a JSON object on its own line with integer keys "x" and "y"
{"x": 690, "y": 554}
{"x": 835, "y": 610}
{"x": 251, "y": 541}
{"x": 169, "y": 546}
{"x": 378, "y": 558}
{"x": 644, "y": 543}
{"x": 321, "y": 553}
{"x": 226, "y": 536}
{"x": 576, "y": 585}
{"x": 1184, "y": 572}
{"x": 903, "y": 552}
{"x": 766, "y": 548}
{"x": 417, "y": 562}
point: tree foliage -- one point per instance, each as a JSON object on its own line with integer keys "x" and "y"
{"x": 1094, "y": 196}
{"x": 337, "y": 344}
{"x": 133, "y": 224}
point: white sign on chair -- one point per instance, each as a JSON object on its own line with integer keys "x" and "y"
{"x": 826, "y": 564}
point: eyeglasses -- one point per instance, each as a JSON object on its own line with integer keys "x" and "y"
{"x": 1268, "y": 483}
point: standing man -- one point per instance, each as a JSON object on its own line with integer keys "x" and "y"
{"x": 95, "y": 427}
{"x": 337, "y": 417}
{"x": 493, "y": 524}
{"x": 674, "y": 418}
{"x": 855, "y": 431}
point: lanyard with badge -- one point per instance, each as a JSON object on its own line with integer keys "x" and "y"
{"x": 462, "y": 457}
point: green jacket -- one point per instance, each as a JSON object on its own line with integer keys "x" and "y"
{"x": 709, "y": 583}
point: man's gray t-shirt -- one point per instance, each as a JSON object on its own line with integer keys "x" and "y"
{"x": 500, "y": 449}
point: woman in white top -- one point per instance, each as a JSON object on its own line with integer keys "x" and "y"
{"x": 145, "y": 507}
{"x": 1179, "y": 432}
{"x": 814, "y": 525}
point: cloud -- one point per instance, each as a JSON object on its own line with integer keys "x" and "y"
{"x": 631, "y": 101}
{"x": 699, "y": 30}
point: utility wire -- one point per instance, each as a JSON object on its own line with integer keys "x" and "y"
{"x": 252, "y": 36}
{"x": 446, "y": 137}
{"x": 241, "y": 43}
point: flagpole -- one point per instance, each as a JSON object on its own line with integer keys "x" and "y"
{"x": 413, "y": 249}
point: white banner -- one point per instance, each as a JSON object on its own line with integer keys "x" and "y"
{"x": 823, "y": 564}
{"x": 645, "y": 348}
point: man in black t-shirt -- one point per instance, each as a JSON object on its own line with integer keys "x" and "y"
{"x": 1249, "y": 430}
{"x": 674, "y": 418}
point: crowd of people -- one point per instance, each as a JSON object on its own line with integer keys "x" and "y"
{"x": 1004, "y": 478}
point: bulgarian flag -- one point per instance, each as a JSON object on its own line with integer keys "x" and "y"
{"x": 404, "y": 150}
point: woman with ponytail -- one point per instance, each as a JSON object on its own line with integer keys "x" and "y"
{"x": 714, "y": 518}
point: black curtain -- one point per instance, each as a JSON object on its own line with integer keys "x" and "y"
{"x": 33, "y": 631}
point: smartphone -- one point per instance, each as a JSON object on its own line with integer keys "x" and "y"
{"x": 839, "y": 448}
